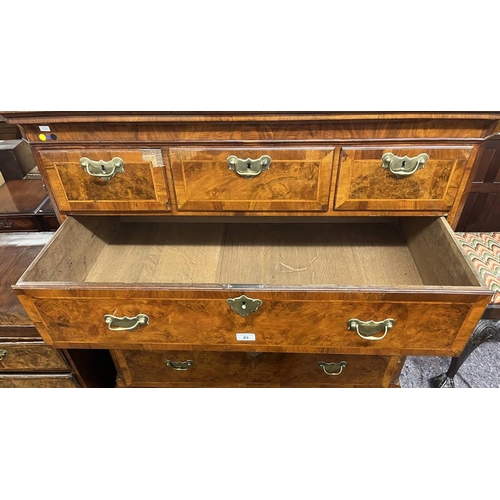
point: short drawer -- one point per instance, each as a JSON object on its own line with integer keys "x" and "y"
{"x": 397, "y": 178}
{"x": 62, "y": 381}
{"x": 30, "y": 357}
{"x": 19, "y": 223}
{"x": 275, "y": 180}
{"x": 398, "y": 287}
{"x": 107, "y": 180}
{"x": 230, "y": 369}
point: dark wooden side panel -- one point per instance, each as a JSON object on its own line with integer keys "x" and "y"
{"x": 482, "y": 208}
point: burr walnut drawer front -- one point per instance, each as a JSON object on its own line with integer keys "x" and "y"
{"x": 401, "y": 178}
{"x": 231, "y": 369}
{"x": 108, "y": 180}
{"x": 253, "y": 180}
{"x": 398, "y": 286}
{"x": 30, "y": 357}
{"x": 61, "y": 381}
{"x": 381, "y": 322}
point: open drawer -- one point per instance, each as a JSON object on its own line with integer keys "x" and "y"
{"x": 395, "y": 286}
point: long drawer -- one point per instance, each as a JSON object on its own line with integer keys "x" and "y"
{"x": 402, "y": 286}
{"x": 229, "y": 369}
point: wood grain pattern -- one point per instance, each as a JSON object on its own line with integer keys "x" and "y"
{"x": 298, "y": 179}
{"x": 278, "y": 130}
{"x": 20, "y": 197}
{"x": 364, "y": 185}
{"x": 71, "y": 252}
{"x": 437, "y": 254}
{"x": 37, "y": 381}
{"x": 222, "y": 369}
{"x": 142, "y": 185}
{"x": 172, "y": 253}
{"x": 311, "y": 280}
{"x": 481, "y": 211}
{"x": 12, "y": 223}
{"x": 285, "y": 322}
{"x": 395, "y": 254}
{"x": 17, "y": 251}
{"x": 38, "y": 117}
{"x": 214, "y": 127}
{"x": 31, "y": 357}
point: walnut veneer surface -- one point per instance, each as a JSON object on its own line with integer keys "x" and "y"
{"x": 309, "y": 222}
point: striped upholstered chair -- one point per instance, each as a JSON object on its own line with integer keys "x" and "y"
{"x": 483, "y": 249}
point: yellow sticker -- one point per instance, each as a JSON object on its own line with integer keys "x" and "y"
{"x": 42, "y": 137}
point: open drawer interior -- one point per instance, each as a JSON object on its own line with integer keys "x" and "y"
{"x": 404, "y": 252}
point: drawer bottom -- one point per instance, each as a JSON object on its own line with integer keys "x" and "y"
{"x": 235, "y": 369}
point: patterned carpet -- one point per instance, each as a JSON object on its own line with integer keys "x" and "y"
{"x": 482, "y": 367}
{"x": 483, "y": 250}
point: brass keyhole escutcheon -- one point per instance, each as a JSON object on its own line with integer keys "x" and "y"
{"x": 248, "y": 167}
{"x": 104, "y": 170}
{"x": 244, "y": 305}
{"x": 404, "y": 166}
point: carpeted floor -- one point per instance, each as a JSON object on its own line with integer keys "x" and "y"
{"x": 482, "y": 367}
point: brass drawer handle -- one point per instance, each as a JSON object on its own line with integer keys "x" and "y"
{"x": 102, "y": 169}
{"x": 404, "y": 166}
{"x": 180, "y": 366}
{"x": 244, "y": 305}
{"x": 332, "y": 368}
{"x": 125, "y": 323}
{"x": 366, "y": 329}
{"x": 248, "y": 168}
{"x": 3, "y": 353}
{"x": 7, "y": 224}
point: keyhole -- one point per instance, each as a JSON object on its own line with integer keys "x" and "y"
{"x": 403, "y": 163}
{"x": 249, "y": 166}
{"x": 103, "y": 168}
{"x": 243, "y": 305}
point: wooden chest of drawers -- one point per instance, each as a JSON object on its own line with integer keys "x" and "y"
{"x": 33, "y": 364}
{"x": 20, "y": 202}
{"x": 256, "y": 250}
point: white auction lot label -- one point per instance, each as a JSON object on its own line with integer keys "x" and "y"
{"x": 245, "y": 336}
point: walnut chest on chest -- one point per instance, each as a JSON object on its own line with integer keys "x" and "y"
{"x": 263, "y": 249}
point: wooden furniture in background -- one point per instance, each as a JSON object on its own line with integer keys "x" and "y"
{"x": 9, "y": 131}
{"x": 20, "y": 202}
{"x": 16, "y": 159}
{"x": 25, "y": 359}
{"x": 263, "y": 249}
